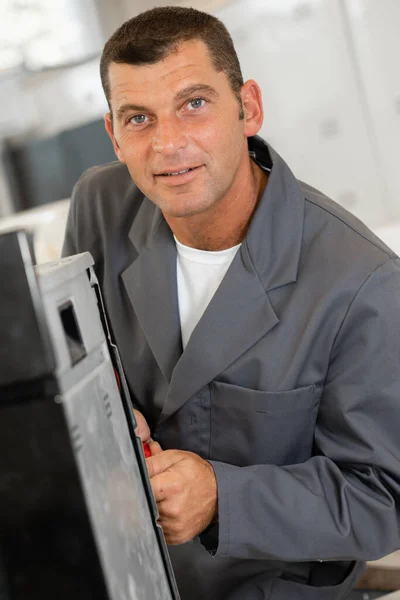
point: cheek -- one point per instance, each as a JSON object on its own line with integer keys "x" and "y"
{"x": 212, "y": 134}
{"x": 136, "y": 156}
{"x": 228, "y": 147}
{"x": 124, "y": 140}
{"x": 222, "y": 140}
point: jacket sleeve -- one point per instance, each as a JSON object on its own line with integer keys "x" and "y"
{"x": 344, "y": 502}
{"x": 82, "y": 227}
{"x": 70, "y": 238}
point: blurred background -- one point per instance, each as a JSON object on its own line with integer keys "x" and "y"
{"x": 328, "y": 70}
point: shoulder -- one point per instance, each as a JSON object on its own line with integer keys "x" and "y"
{"x": 105, "y": 191}
{"x": 104, "y": 200}
{"x": 340, "y": 254}
{"x": 340, "y": 233}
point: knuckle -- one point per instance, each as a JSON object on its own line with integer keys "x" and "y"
{"x": 176, "y": 528}
{"x": 150, "y": 467}
{"x": 173, "y": 513}
{"x": 177, "y": 487}
{"x": 181, "y": 538}
{"x": 155, "y": 447}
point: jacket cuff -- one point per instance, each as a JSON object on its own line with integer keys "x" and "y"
{"x": 209, "y": 538}
{"x": 220, "y": 531}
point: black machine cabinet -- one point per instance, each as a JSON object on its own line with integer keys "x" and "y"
{"x": 77, "y": 516}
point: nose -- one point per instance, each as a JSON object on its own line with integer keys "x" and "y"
{"x": 168, "y": 137}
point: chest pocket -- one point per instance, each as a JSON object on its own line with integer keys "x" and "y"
{"x": 251, "y": 427}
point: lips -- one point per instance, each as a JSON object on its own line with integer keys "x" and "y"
{"x": 175, "y": 172}
{"x": 177, "y": 177}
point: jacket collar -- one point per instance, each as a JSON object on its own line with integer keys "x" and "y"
{"x": 274, "y": 237}
{"x": 275, "y": 233}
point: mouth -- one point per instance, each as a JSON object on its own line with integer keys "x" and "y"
{"x": 178, "y": 176}
{"x": 176, "y": 173}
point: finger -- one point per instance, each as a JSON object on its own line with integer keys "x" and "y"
{"x": 163, "y": 461}
{"x": 173, "y": 531}
{"x": 155, "y": 447}
{"x": 142, "y": 429}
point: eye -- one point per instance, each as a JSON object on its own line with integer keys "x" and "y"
{"x": 138, "y": 119}
{"x": 196, "y": 103}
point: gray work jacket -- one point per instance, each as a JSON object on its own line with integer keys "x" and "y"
{"x": 289, "y": 384}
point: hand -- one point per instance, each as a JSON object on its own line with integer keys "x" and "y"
{"x": 185, "y": 489}
{"x": 142, "y": 429}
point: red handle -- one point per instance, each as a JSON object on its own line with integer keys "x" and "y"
{"x": 146, "y": 449}
{"x": 117, "y": 377}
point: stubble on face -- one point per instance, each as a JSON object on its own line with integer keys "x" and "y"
{"x": 210, "y": 140}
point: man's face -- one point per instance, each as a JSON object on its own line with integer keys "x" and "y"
{"x": 176, "y": 126}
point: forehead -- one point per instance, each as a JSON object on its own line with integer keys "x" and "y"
{"x": 190, "y": 63}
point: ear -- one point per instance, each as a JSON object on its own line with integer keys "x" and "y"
{"x": 109, "y": 128}
{"x": 253, "y": 107}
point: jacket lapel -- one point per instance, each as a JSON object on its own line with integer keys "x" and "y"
{"x": 150, "y": 282}
{"x": 238, "y": 315}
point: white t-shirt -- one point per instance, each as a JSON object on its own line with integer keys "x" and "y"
{"x": 199, "y": 274}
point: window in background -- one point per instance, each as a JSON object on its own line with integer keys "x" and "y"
{"x": 41, "y": 34}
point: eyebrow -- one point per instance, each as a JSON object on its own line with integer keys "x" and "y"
{"x": 185, "y": 93}
{"x": 194, "y": 89}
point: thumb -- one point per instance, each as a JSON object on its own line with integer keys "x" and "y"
{"x": 161, "y": 461}
{"x": 142, "y": 429}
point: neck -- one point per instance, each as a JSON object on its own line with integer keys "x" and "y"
{"x": 226, "y": 223}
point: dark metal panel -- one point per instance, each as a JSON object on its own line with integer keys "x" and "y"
{"x": 25, "y": 350}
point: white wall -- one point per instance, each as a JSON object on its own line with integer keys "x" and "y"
{"x": 375, "y": 34}
{"x": 317, "y": 103}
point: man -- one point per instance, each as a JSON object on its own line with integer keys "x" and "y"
{"x": 258, "y": 324}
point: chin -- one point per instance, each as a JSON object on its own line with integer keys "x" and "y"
{"x": 181, "y": 209}
{"x": 182, "y": 212}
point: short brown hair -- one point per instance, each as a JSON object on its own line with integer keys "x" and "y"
{"x": 154, "y": 34}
